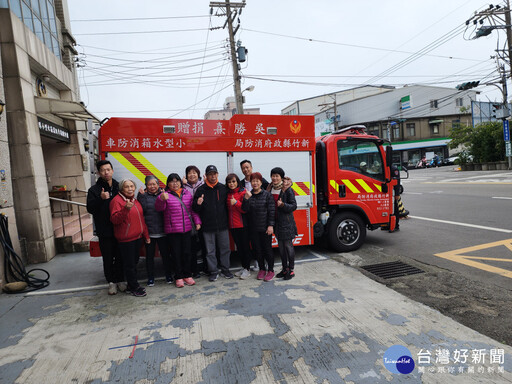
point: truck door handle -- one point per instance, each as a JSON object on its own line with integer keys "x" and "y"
{"x": 342, "y": 190}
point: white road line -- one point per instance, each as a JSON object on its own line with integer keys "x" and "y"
{"x": 503, "y": 198}
{"x": 463, "y": 224}
{"x": 506, "y": 175}
{"x": 68, "y": 290}
{"x": 413, "y": 193}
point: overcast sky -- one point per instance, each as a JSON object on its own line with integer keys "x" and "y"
{"x": 170, "y": 64}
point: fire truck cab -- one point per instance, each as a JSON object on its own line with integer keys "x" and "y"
{"x": 354, "y": 187}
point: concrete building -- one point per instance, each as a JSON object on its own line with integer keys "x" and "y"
{"x": 42, "y": 131}
{"x": 316, "y": 104}
{"x": 417, "y": 119}
{"x": 228, "y": 111}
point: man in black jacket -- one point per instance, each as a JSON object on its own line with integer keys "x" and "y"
{"x": 246, "y": 167}
{"x": 98, "y": 202}
{"x": 210, "y": 203}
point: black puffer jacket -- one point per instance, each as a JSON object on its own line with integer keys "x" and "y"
{"x": 154, "y": 219}
{"x": 260, "y": 208}
{"x": 99, "y": 208}
{"x": 213, "y": 211}
{"x": 286, "y": 228}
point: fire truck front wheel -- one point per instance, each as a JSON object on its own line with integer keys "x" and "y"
{"x": 347, "y": 232}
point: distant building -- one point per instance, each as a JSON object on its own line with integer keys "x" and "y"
{"x": 42, "y": 139}
{"x": 228, "y": 111}
{"x": 417, "y": 119}
{"x": 316, "y": 104}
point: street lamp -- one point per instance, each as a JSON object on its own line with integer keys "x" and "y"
{"x": 250, "y": 88}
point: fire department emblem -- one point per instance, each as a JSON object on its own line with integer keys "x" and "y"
{"x": 295, "y": 126}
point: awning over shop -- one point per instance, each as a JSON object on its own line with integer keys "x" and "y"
{"x": 64, "y": 109}
{"x": 435, "y": 121}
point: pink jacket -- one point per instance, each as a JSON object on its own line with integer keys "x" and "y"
{"x": 176, "y": 218}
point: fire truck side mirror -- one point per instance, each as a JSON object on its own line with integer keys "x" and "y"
{"x": 389, "y": 156}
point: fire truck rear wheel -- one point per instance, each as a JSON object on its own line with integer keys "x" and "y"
{"x": 347, "y": 232}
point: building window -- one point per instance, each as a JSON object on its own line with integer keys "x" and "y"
{"x": 39, "y": 17}
{"x": 435, "y": 129}
{"x": 456, "y": 123}
{"x": 459, "y": 102}
{"x": 396, "y": 131}
{"x": 411, "y": 129}
{"x": 433, "y": 104}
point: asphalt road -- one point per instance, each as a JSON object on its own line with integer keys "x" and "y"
{"x": 460, "y": 233}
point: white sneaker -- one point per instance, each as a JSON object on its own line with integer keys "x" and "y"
{"x": 122, "y": 286}
{"x": 112, "y": 288}
{"x": 245, "y": 274}
{"x": 239, "y": 273}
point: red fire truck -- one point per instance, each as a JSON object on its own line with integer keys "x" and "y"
{"x": 342, "y": 181}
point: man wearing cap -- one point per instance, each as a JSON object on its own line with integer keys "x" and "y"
{"x": 210, "y": 203}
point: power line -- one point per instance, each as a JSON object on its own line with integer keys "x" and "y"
{"x": 139, "y": 32}
{"x": 141, "y": 18}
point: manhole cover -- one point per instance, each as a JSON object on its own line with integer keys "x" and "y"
{"x": 392, "y": 269}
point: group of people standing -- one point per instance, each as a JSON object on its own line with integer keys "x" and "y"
{"x": 189, "y": 215}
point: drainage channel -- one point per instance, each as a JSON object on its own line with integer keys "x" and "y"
{"x": 392, "y": 269}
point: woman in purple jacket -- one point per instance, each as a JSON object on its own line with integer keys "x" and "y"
{"x": 179, "y": 220}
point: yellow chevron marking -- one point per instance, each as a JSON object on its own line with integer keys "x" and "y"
{"x": 138, "y": 174}
{"x": 365, "y": 186}
{"x": 350, "y": 186}
{"x": 311, "y": 188}
{"x": 335, "y": 185}
{"x": 378, "y": 187}
{"x": 299, "y": 191}
{"x": 156, "y": 172}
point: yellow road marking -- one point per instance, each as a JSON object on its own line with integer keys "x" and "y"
{"x": 461, "y": 256}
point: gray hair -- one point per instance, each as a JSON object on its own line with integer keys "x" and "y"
{"x": 122, "y": 183}
{"x": 149, "y": 178}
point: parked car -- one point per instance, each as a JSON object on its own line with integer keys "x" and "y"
{"x": 451, "y": 160}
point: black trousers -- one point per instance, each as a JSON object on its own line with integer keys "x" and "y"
{"x": 130, "y": 254}
{"x": 198, "y": 246}
{"x": 180, "y": 250}
{"x": 241, "y": 239}
{"x": 262, "y": 250}
{"x": 287, "y": 253}
{"x": 163, "y": 248}
{"x": 112, "y": 260}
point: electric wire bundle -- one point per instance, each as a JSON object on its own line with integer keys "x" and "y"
{"x": 13, "y": 264}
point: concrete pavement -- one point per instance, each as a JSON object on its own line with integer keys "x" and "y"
{"x": 330, "y": 324}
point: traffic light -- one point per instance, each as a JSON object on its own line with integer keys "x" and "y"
{"x": 468, "y": 85}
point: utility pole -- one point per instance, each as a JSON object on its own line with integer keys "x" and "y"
{"x": 335, "y": 107}
{"x": 231, "y": 10}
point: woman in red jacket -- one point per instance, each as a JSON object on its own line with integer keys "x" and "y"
{"x": 129, "y": 228}
{"x": 236, "y": 224}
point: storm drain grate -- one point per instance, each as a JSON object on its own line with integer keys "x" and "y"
{"x": 392, "y": 269}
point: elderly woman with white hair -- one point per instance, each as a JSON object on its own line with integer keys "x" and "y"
{"x": 127, "y": 217}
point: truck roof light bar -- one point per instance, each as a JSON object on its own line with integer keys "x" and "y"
{"x": 353, "y": 129}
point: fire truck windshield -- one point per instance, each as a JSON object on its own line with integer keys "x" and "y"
{"x": 362, "y": 157}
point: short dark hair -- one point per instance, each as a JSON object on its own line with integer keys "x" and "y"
{"x": 245, "y": 161}
{"x": 192, "y": 168}
{"x": 101, "y": 163}
{"x": 233, "y": 176}
{"x": 277, "y": 171}
{"x": 174, "y": 176}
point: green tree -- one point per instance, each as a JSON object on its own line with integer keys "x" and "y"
{"x": 484, "y": 142}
